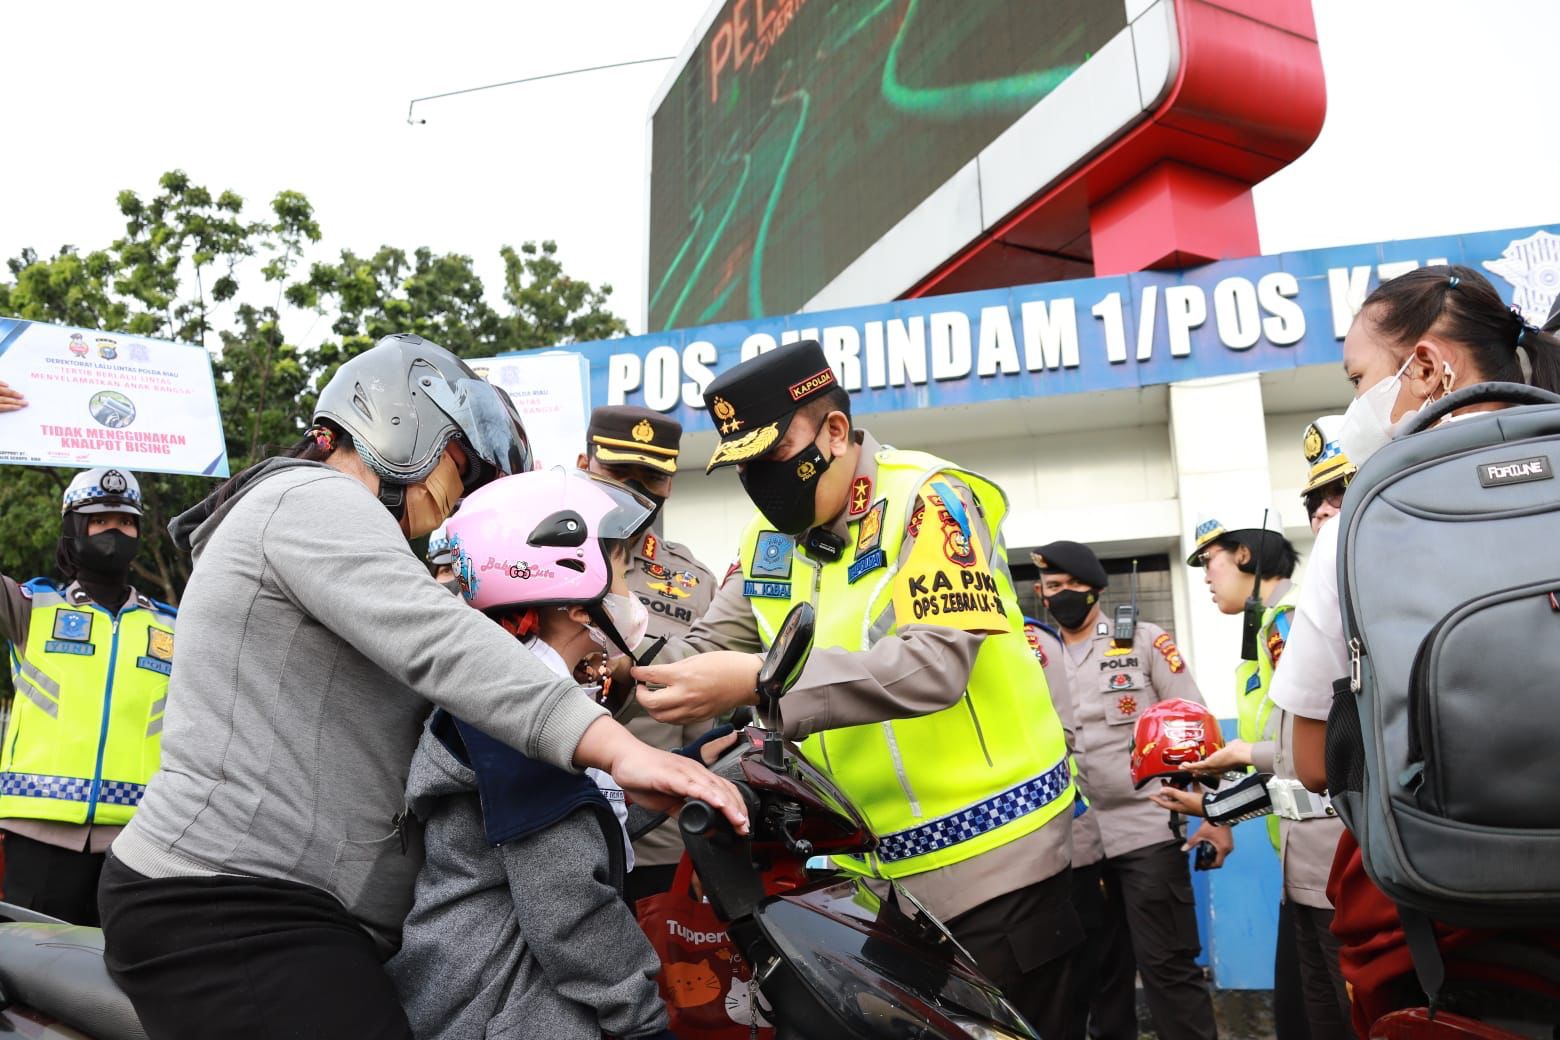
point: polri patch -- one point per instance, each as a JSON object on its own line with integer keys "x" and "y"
{"x": 74, "y": 625}
{"x": 766, "y": 589}
{"x": 866, "y": 564}
{"x": 151, "y": 664}
{"x": 772, "y": 555}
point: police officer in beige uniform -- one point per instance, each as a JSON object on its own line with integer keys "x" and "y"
{"x": 639, "y": 448}
{"x": 1123, "y": 845}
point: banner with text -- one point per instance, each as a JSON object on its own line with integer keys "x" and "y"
{"x": 551, "y": 390}
{"x": 109, "y": 399}
{"x": 1268, "y": 312}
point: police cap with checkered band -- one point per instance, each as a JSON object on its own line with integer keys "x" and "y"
{"x": 103, "y": 490}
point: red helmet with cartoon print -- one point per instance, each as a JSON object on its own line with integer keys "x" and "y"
{"x": 1171, "y": 733}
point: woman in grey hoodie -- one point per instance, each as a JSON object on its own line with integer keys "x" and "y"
{"x": 268, "y": 870}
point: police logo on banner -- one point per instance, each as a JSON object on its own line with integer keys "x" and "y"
{"x": 1532, "y": 267}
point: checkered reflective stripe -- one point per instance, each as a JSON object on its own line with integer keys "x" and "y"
{"x": 69, "y": 788}
{"x": 999, "y": 809}
{"x": 93, "y": 493}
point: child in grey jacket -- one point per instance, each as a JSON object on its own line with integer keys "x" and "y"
{"x": 518, "y": 927}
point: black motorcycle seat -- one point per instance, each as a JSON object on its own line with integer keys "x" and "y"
{"x": 58, "y": 969}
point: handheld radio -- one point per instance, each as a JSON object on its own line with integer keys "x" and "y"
{"x": 1254, "y": 607}
{"x": 1124, "y": 631}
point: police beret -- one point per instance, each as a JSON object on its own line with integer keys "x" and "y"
{"x": 623, "y": 434}
{"x": 1072, "y": 558}
{"x": 753, "y": 404}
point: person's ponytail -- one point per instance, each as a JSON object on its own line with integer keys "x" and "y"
{"x": 1543, "y": 358}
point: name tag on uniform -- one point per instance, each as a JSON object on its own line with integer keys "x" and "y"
{"x": 865, "y": 564}
{"x": 61, "y": 646}
{"x": 766, "y": 589}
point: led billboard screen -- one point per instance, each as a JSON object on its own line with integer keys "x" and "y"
{"x": 798, "y": 132}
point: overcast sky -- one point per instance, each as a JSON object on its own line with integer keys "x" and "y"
{"x": 1439, "y": 120}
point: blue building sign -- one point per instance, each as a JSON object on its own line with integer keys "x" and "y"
{"x": 1155, "y": 327}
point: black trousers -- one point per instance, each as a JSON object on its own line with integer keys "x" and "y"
{"x": 52, "y": 880}
{"x": 243, "y": 959}
{"x": 1024, "y": 941}
{"x": 1321, "y": 975}
{"x": 1290, "y": 1021}
{"x": 1149, "y": 930}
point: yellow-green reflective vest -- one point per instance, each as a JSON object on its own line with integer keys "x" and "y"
{"x": 941, "y": 788}
{"x": 1253, "y": 679}
{"x": 85, "y": 729}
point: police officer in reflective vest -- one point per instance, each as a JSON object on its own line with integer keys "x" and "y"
{"x": 922, "y": 699}
{"x": 1134, "y": 886}
{"x": 89, "y": 662}
{"x": 639, "y": 448}
{"x": 1309, "y": 995}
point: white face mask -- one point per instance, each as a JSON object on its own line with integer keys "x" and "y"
{"x": 629, "y": 617}
{"x": 1367, "y": 423}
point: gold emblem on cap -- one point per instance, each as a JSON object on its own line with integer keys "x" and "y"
{"x": 1312, "y": 446}
{"x": 729, "y": 423}
{"x": 748, "y": 446}
{"x": 644, "y": 433}
{"x": 806, "y": 471}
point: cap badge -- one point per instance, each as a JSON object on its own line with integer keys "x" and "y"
{"x": 729, "y": 423}
{"x": 113, "y": 482}
{"x": 1313, "y": 443}
{"x": 643, "y": 433}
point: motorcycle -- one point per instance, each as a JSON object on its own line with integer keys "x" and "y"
{"x": 53, "y": 984}
{"x": 837, "y": 955}
{"x": 834, "y": 955}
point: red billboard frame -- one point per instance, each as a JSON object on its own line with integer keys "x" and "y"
{"x": 1248, "y": 98}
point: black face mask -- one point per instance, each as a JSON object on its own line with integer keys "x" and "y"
{"x": 452, "y": 586}
{"x": 1071, "y": 608}
{"x": 107, "y": 553}
{"x": 785, "y": 490}
{"x": 659, "y": 500}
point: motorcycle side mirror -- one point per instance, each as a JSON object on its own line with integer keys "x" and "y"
{"x": 781, "y": 669}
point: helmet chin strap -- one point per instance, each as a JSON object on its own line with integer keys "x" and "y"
{"x": 598, "y": 615}
{"x": 393, "y": 497}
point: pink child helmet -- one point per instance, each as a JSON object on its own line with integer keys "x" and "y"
{"x": 534, "y": 539}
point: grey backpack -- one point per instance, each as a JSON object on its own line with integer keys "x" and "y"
{"x": 1443, "y": 746}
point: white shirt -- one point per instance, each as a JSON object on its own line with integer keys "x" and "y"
{"x": 609, "y": 787}
{"x": 1316, "y": 653}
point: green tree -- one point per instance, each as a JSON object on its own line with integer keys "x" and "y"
{"x": 547, "y": 307}
{"x": 185, "y": 269}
